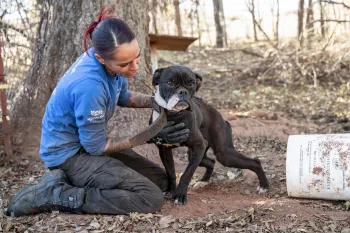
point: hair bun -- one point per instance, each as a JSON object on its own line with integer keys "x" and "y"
{"x": 104, "y": 14}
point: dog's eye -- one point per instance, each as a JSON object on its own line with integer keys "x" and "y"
{"x": 170, "y": 84}
{"x": 191, "y": 84}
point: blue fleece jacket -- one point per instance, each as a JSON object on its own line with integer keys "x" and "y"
{"x": 79, "y": 108}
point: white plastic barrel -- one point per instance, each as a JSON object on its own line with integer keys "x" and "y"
{"x": 318, "y": 166}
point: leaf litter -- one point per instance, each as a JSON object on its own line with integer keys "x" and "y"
{"x": 263, "y": 105}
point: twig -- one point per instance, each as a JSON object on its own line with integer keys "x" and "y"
{"x": 326, "y": 45}
{"x": 21, "y": 31}
{"x": 314, "y": 76}
{"x": 332, "y": 20}
{"x": 22, "y": 18}
{"x": 18, "y": 45}
{"x": 251, "y": 53}
{"x": 272, "y": 44}
{"x": 336, "y": 3}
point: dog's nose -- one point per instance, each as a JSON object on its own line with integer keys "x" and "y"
{"x": 183, "y": 92}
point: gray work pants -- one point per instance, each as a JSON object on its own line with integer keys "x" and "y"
{"x": 119, "y": 183}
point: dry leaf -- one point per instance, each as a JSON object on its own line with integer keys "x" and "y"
{"x": 83, "y": 231}
{"x": 332, "y": 227}
{"x": 231, "y": 175}
{"x": 8, "y": 227}
{"x": 112, "y": 227}
{"x": 165, "y": 221}
{"x": 347, "y": 205}
{"x": 95, "y": 224}
{"x": 208, "y": 223}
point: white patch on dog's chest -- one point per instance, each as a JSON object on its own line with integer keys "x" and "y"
{"x": 167, "y": 105}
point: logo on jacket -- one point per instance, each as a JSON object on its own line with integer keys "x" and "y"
{"x": 96, "y": 114}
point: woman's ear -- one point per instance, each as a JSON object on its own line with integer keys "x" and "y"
{"x": 198, "y": 81}
{"x": 99, "y": 58}
{"x": 156, "y": 76}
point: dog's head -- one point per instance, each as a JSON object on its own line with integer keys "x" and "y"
{"x": 175, "y": 87}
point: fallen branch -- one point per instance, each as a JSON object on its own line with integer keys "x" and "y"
{"x": 250, "y": 52}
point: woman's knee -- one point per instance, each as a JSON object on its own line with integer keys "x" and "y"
{"x": 154, "y": 200}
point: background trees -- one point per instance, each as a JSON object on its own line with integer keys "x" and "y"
{"x": 43, "y": 38}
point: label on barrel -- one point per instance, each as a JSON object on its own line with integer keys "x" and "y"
{"x": 318, "y": 166}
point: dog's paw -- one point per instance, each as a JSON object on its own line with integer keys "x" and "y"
{"x": 167, "y": 195}
{"x": 261, "y": 190}
{"x": 200, "y": 184}
{"x": 180, "y": 197}
{"x": 179, "y": 202}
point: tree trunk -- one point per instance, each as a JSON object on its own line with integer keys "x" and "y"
{"x": 207, "y": 26}
{"x": 218, "y": 25}
{"x": 199, "y": 30}
{"x": 300, "y": 20}
{"x": 310, "y": 21}
{"x": 58, "y": 44}
{"x": 323, "y": 30}
{"x": 275, "y": 4}
{"x": 251, "y": 9}
{"x": 178, "y": 17}
{"x": 154, "y": 16}
{"x": 222, "y": 16}
{"x": 277, "y": 22}
{"x": 191, "y": 17}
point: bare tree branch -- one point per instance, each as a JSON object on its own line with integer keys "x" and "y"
{"x": 336, "y": 3}
{"x": 333, "y": 20}
{"x": 18, "y": 45}
{"x": 25, "y": 19}
{"x": 21, "y": 31}
{"x": 265, "y": 34}
{"x": 251, "y": 8}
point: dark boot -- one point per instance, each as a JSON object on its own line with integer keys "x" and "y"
{"x": 52, "y": 193}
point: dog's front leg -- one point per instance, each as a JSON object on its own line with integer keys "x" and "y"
{"x": 166, "y": 155}
{"x": 197, "y": 151}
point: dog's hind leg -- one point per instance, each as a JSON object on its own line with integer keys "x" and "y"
{"x": 232, "y": 158}
{"x": 227, "y": 155}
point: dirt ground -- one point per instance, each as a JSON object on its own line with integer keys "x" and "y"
{"x": 262, "y": 116}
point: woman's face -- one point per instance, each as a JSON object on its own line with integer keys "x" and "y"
{"x": 125, "y": 60}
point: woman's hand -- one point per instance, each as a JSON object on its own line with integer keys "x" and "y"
{"x": 171, "y": 134}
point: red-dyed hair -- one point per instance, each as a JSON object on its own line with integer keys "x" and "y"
{"x": 101, "y": 16}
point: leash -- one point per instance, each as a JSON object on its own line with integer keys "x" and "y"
{"x": 152, "y": 130}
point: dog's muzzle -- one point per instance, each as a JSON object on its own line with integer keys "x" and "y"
{"x": 177, "y": 102}
{"x": 183, "y": 100}
{"x": 181, "y": 105}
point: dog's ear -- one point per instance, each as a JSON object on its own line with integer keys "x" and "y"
{"x": 198, "y": 81}
{"x": 156, "y": 76}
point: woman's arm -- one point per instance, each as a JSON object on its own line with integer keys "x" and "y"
{"x": 139, "y": 100}
{"x": 135, "y": 100}
{"x": 113, "y": 145}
